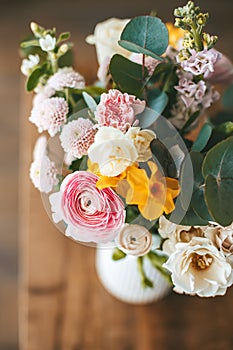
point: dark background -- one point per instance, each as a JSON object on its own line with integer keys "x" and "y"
{"x": 79, "y": 17}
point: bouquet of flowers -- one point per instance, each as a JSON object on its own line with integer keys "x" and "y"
{"x": 134, "y": 176}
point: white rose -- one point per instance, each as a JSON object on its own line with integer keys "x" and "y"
{"x": 142, "y": 140}
{"x": 29, "y": 64}
{"x": 199, "y": 268}
{"x": 106, "y": 36}
{"x": 112, "y": 150}
{"x": 177, "y": 234}
{"x": 134, "y": 240}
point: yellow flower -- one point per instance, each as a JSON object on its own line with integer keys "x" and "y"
{"x": 175, "y": 34}
{"x": 153, "y": 195}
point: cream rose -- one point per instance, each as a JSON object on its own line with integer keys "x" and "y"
{"x": 134, "y": 240}
{"x": 112, "y": 151}
{"x": 199, "y": 268}
{"x": 177, "y": 234}
{"x": 106, "y": 36}
{"x": 142, "y": 140}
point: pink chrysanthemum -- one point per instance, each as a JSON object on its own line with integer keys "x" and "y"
{"x": 201, "y": 62}
{"x": 76, "y": 137}
{"x": 118, "y": 110}
{"x": 50, "y": 115}
{"x": 42, "y": 93}
{"x": 66, "y": 78}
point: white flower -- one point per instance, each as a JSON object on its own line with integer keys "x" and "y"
{"x": 106, "y": 36}
{"x": 43, "y": 172}
{"x": 222, "y": 237}
{"x": 50, "y": 114}
{"x": 112, "y": 150}
{"x": 134, "y": 240}
{"x": 66, "y": 78}
{"x": 47, "y": 43}
{"x": 199, "y": 268}
{"x": 29, "y": 63}
{"x": 76, "y": 137}
{"x": 142, "y": 140}
{"x": 177, "y": 234}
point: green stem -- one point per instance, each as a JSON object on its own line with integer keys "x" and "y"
{"x": 144, "y": 280}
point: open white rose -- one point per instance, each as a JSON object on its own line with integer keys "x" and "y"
{"x": 112, "y": 150}
{"x": 142, "y": 140}
{"x": 199, "y": 268}
{"x": 134, "y": 240}
{"x": 177, "y": 234}
{"x": 106, "y": 36}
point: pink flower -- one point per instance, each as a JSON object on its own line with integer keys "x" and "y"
{"x": 223, "y": 71}
{"x": 118, "y": 109}
{"x": 201, "y": 62}
{"x": 191, "y": 92}
{"x": 66, "y": 78}
{"x": 91, "y": 215}
{"x": 50, "y": 114}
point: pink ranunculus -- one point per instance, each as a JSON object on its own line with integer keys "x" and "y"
{"x": 91, "y": 215}
{"x": 118, "y": 109}
{"x": 223, "y": 71}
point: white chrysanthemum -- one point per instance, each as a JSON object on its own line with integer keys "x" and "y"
{"x": 174, "y": 234}
{"x": 66, "y": 78}
{"x": 42, "y": 93}
{"x": 50, "y": 114}
{"x": 134, "y": 240}
{"x": 76, "y": 137}
{"x": 199, "y": 268}
{"x": 29, "y": 63}
{"x": 43, "y": 172}
{"x": 47, "y": 43}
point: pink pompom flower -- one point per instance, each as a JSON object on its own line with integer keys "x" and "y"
{"x": 91, "y": 215}
{"x": 118, "y": 109}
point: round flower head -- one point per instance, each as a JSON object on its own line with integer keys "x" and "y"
{"x": 134, "y": 240}
{"x": 50, "y": 114}
{"x": 77, "y": 136}
{"x": 118, "y": 110}
{"x": 91, "y": 215}
{"x": 199, "y": 268}
{"x": 66, "y": 78}
{"x": 42, "y": 93}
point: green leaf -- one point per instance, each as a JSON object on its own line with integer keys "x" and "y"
{"x": 66, "y": 60}
{"x": 145, "y": 34}
{"x": 227, "y": 99}
{"x": 63, "y": 36}
{"x": 35, "y": 76}
{"x": 79, "y": 164}
{"x": 163, "y": 158}
{"x": 202, "y": 138}
{"x": 127, "y": 75}
{"x": 118, "y": 254}
{"x": 218, "y": 173}
{"x": 145, "y": 281}
{"x": 29, "y": 43}
{"x": 191, "y": 120}
{"x": 157, "y": 261}
{"x": 89, "y": 101}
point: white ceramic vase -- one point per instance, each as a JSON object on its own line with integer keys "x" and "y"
{"x": 121, "y": 278}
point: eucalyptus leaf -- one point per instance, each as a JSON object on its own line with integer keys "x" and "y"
{"x": 202, "y": 138}
{"x": 128, "y": 76}
{"x": 227, "y": 99}
{"x": 89, "y": 101}
{"x": 163, "y": 157}
{"x": 146, "y": 35}
{"x": 218, "y": 173}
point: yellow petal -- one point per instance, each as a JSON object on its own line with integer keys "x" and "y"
{"x": 139, "y": 189}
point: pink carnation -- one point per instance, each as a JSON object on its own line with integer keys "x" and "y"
{"x": 91, "y": 215}
{"x": 50, "y": 114}
{"x": 201, "y": 62}
{"x": 118, "y": 109}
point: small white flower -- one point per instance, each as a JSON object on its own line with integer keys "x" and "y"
{"x": 47, "y": 43}
{"x": 199, "y": 268}
{"x": 29, "y": 63}
{"x": 113, "y": 151}
{"x": 134, "y": 240}
{"x": 43, "y": 172}
{"x": 142, "y": 140}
